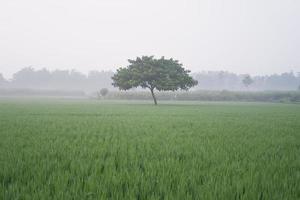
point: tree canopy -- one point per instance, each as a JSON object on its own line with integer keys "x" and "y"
{"x": 160, "y": 74}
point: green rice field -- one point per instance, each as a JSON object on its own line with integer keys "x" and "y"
{"x": 87, "y": 149}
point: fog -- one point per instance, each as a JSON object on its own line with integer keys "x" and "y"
{"x": 72, "y": 80}
{"x": 240, "y": 36}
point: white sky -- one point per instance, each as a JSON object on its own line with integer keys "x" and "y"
{"x": 242, "y": 36}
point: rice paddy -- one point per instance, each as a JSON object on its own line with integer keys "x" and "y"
{"x": 81, "y": 149}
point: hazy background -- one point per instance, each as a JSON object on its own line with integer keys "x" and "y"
{"x": 241, "y": 36}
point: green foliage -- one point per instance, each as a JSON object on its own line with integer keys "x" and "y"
{"x": 103, "y": 92}
{"x": 63, "y": 150}
{"x": 160, "y": 74}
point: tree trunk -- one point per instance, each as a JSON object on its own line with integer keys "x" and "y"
{"x": 153, "y": 96}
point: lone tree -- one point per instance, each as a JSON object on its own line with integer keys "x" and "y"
{"x": 103, "y": 92}
{"x": 160, "y": 74}
{"x": 247, "y": 80}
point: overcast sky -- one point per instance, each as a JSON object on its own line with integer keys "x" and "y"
{"x": 242, "y": 36}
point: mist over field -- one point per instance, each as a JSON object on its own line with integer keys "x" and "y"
{"x": 70, "y": 45}
{"x": 31, "y": 78}
{"x": 211, "y": 86}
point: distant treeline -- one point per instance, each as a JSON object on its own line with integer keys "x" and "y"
{"x": 212, "y": 80}
{"x": 202, "y": 95}
{"x": 58, "y": 80}
{"x": 196, "y": 95}
{"x": 231, "y": 81}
